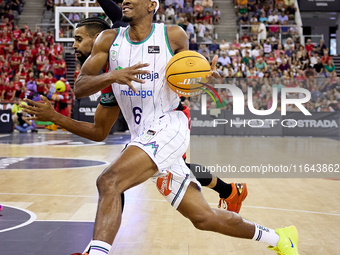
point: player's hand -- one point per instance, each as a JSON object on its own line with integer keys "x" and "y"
{"x": 126, "y": 75}
{"x": 39, "y": 111}
{"x": 214, "y": 76}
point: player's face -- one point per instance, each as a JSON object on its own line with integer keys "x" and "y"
{"x": 83, "y": 43}
{"x": 135, "y": 9}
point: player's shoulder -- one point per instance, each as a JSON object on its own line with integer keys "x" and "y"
{"x": 105, "y": 39}
{"x": 175, "y": 30}
{"x": 178, "y": 38}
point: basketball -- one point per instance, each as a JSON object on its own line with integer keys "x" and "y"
{"x": 55, "y": 97}
{"x": 186, "y": 73}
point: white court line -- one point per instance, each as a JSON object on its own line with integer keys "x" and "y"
{"x": 50, "y": 157}
{"x": 32, "y": 218}
{"x": 161, "y": 200}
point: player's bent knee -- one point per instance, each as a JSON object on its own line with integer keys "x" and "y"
{"x": 202, "y": 220}
{"x": 108, "y": 182}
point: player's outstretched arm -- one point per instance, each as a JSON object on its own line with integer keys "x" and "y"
{"x": 96, "y": 131}
{"x": 111, "y": 9}
{"x": 89, "y": 82}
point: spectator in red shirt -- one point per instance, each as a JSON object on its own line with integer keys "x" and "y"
{"x": 15, "y": 60}
{"x": 8, "y": 70}
{"x": 38, "y": 40}
{"x": 59, "y": 67}
{"x": 16, "y": 35}
{"x": 6, "y": 32}
{"x": 38, "y": 33}
{"x": 77, "y": 71}
{"x": 236, "y": 44}
{"x": 208, "y": 18}
{"x": 52, "y": 54}
{"x": 28, "y": 32}
{"x": 9, "y": 92}
{"x": 245, "y": 36}
{"x": 40, "y": 60}
{"x": 30, "y": 76}
{"x": 59, "y": 49}
{"x": 10, "y": 50}
{"x": 41, "y": 47}
{"x": 8, "y": 24}
{"x": 34, "y": 52}
{"x": 41, "y": 87}
{"x": 17, "y": 86}
{"x": 49, "y": 38}
{"x": 325, "y": 58}
{"x": 2, "y": 60}
{"x": 50, "y": 80}
{"x": 22, "y": 72}
{"x": 46, "y": 67}
{"x": 4, "y": 42}
{"x": 27, "y": 64}
{"x": 22, "y": 43}
{"x": 309, "y": 46}
{"x": 4, "y": 79}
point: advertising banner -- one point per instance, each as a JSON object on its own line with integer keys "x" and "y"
{"x": 6, "y": 123}
{"x": 319, "y": 5}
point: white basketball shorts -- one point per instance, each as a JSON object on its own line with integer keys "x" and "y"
{"x": 165, "y": 141}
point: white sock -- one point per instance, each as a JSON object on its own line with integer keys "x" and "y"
{"x": 99, "y": 248}
{"x": 266, "y": 235}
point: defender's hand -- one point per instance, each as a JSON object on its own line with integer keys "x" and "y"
{"x": 214, "y": 77}
{"x": 40, "y": 111}
{"x": 126, "y": 75}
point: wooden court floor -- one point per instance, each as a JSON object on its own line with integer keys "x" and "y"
{"x": 151, "y": 227}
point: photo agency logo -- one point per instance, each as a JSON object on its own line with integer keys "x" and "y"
{"x": 239, "y": 103}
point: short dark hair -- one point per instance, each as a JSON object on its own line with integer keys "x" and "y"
{"x": 94, "y": 25}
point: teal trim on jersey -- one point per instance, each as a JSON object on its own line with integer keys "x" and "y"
{"x": 116, "y": 37}
{"x": 137, "y": 43}
{"x": 167, "y": 40}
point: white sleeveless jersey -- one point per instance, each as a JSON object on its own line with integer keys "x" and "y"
{"x": 154, "y": 98}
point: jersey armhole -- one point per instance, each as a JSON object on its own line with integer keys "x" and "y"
{"x": 167, "y": 40}
{"x": 108, "y": 58}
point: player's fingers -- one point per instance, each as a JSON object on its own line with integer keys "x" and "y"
{"x": 138, "y": 80}
{"x": 29, "y": 111}
{"x": 213, "y": 63}
{"x": 215, "y": 74}
{"x": 30, "y": 118}
{"x": 139, "y": 65}
{"x": 140, "y": 72}
{"x": 31, "y": 102}
{"x": 44, "y": 99}
{"x": 32, "y": 108}
{"x": 132, "y": 87}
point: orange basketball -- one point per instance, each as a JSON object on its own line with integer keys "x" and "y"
{"x": 187, "y": 72}
{"x": 55, "y": 97}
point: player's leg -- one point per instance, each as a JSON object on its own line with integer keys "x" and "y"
{"x": 194, "y": 207}
{"x": 131, "y": 168}
{"x": 231, "y": 194}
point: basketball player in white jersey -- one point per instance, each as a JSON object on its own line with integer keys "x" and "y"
{"x": 231, "y": 194}
{"x": 160, "y": 134}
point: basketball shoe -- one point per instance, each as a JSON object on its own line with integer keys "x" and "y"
{"x": 288, "y": 242}
{"x": 234, "y": 201}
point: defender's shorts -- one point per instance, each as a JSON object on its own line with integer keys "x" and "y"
{"x": 165, "y": 141}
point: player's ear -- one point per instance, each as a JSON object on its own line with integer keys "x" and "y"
{"x": 152, "y": 6}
